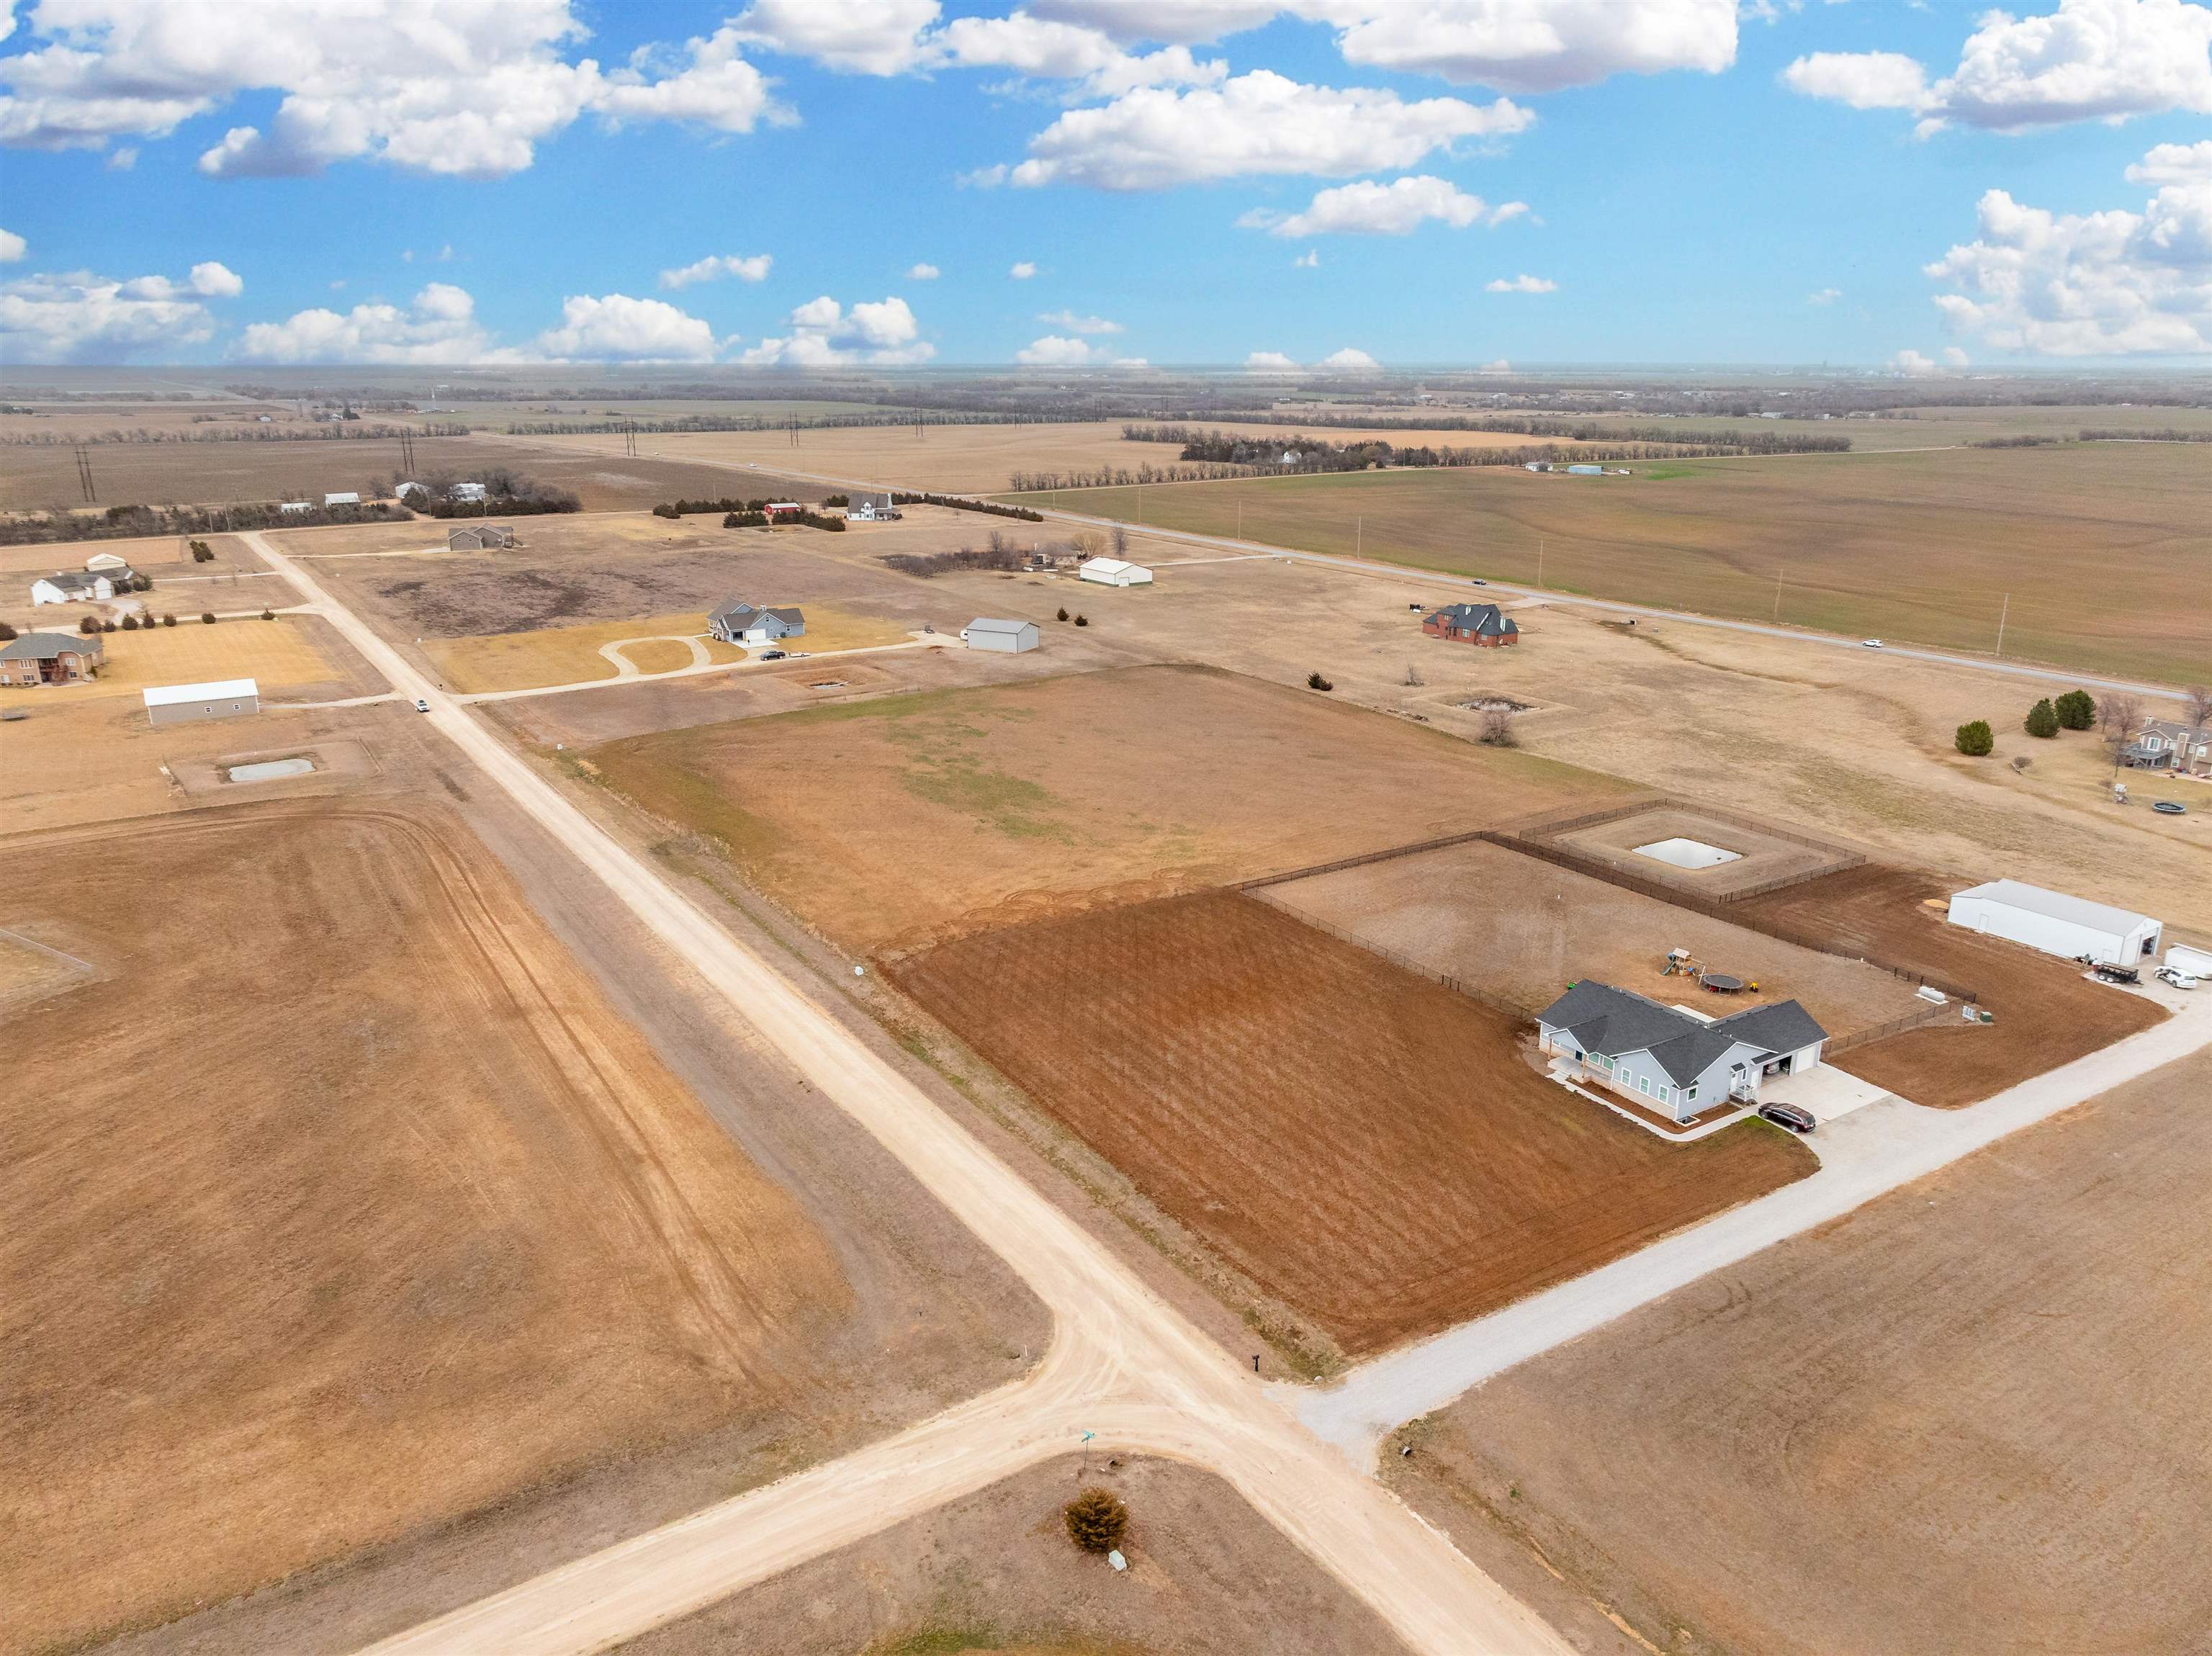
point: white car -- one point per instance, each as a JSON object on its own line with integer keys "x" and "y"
{"x": 1869, "y": 644}
{"x": 2177, "y": 978}
{"x": 420, "y": 705}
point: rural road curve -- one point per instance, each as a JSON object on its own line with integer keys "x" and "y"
{"x": 1864, "y": 1155}
{"x": 1124, "y": 1364}
{"x": 1403, "y": 572}
{"x": 635, "y": 676}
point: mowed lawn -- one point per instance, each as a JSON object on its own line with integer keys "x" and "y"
{"x": 1369, "y": 1147}
{"x": 2105, "y": 549}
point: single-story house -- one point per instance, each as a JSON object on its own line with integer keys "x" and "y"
{"x": 1114, "y": 571}
{"x": 1667, "y": 1060}
{"x": 1010, "y": 637}
{"x": 2069, "y": 927}
{"x": 2166, "y": 744}
{"x": 465, "y": 491}
{"x": 748, "y": 623}
{"x": 344, "y": 497}
{"x": 871, "y": 509}
{"x": 478, "y": 536}
{"x": 1481, "y": 624}
{"x": 50, "y": 658}
{"x": 183, "y": 704}
{"x": 80, "y": 585}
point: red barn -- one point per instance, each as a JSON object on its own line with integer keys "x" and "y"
{"x": 1481, "y": 624}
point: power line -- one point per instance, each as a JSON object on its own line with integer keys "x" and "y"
{"x": 84, "y": 475}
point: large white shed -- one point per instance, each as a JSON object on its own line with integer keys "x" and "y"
{"x": 180, "y": 704}
{"x": 1115, "y": 571}
{"x": 1012, "y": 637}
{"x": 2055, "y": 923}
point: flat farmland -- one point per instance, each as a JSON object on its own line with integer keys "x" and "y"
{"x": 1523, "y": 930}
{"x": 1369, "y": 1147}
{"x": 289, "y": 655}
{"x": 570, "y": 654}
{"x": 895, "y": 822}
{"x": 365, "y": 1215}
{"x": 2046, "y": 1014}
{"x": 1970, "y": 1417}
{"x": 1920, "y": 546}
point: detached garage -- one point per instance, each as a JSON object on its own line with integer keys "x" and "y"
{"x": 1115, "y": 571}
{"x": 1011, "y": 637}
{"x": 2069, "y": 927}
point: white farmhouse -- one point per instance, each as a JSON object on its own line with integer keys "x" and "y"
{"x": 2070, "y": 927}
{"x": 739, "y": 623}
{"x": 1114, "y": 571}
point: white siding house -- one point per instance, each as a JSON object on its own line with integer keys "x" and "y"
{"x": 2070, "y": 927}
{"x": 1115, "y": 571}
{"x": 76, "y": 586}
{"x": 1667, "y": 1060}
{"x": 737, "y": 622}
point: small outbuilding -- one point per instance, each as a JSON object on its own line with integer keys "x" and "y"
{"x": 465, "y": 491}
{"x": 294, "y": 508}
{"x": 184, "y": 704}
{"x": 737, "y": 622}
{"x": 109, "y": 563}
{"x": 344, "y": 497}
{"x": 1011, "y": 637}
{"x": 2070, "y": 927}
{"x": 476, "y": 537}
{"x": 1484, "y": 625}
{"x": 1585, "y": 471}
{"x": 1114, "y": 571}
{"x": 50, "y": 658}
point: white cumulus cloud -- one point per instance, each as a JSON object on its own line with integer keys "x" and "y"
{"x": 1048, "y": 49}
{"x": 465, "y": 88}
{"x": 1270, "y": 363}
{"x": 1396, "y": 209}
{"x": 1913, "y": 365}
{"x": 1260, "y": 122}
{"x": 923, "y": 273}
{"x": 2103, "y": 60}
{"x": 752, "y": 267}
{"x": 823, "y": 333}
{"x": 438, "y": 326}
{"x": 12, "y": 246}
{"x": 2175, "y": 163}
{"x": 1081, "y": 324}
{"x": 2089, "y": 284}
{"x": 1057, "y": 351}
{"x": 1309, "y": 260}
{"x": 1824, "y": 296}
{"x": 860, "y": 36}
{"x": 616, "y": 328}
{"x": 1534, "y": 45}
{"x": 1347, "y": 361}
{"x": 79, "y": 317}
{"x": 1022, "y": 271}
{"x": 1523, "y": 283}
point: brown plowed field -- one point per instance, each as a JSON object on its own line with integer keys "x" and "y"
{"x": 1365, "y": 1144}
{"x": 1969, "y": 1418}
{"x": 2046, "y": 1014}
{"x": 345, "y": 1207}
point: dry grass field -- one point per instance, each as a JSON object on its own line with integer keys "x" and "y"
{"x": 1523, "y": 930}
{"x": 362, "y": 1213}
{"x": 1761, "y": 858}
{"x": 1969, "y": 1417}
{"x": 568, "y": 654}
{"x": 1369, "y": 1148}
{"x": 289, "y": 655}
{"x": 2046, "y": 1014}
{"x": 895, "y": 822}
{"x": 994, "y": 1572}
{"x": 2102, "y": 548}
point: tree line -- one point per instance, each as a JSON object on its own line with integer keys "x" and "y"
{"x": 962, "y": 503}
{"x": 123, "y": 522}
{"x": 271, "y": 433}
{"x": 1525, "y": 425}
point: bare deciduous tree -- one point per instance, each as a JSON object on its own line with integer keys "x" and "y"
{"x": 1496, "y": 729}
{"x": 1120, "y": 542}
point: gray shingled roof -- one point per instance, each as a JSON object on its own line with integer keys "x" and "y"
{"x": 37, "y": 646}
{"x": 1613, "y": 1023}
{"x": 730, "y": 611}
{"x": 1486, "y": 618}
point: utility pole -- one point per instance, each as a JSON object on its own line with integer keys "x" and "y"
{"x": 1539, "y": 560}
{"x": 2001, "y": 615}
{"x": 84, "y": 475}
{"x": 1778, "y": 598}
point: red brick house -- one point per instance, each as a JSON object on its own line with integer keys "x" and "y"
{"x": 49, "y": 658}
{"x": 1483, "y": 625}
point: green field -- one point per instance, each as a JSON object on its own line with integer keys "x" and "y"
{"x": 2105, "y": 549}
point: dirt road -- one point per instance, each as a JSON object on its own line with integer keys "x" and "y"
{"x": 1125, "y": 1364}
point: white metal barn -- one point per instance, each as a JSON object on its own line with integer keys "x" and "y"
{"x": 1010, "y": 637}
{"x": 182, "y": 704}
{"x": 1114, "y": 571}
{"x": 2070, "y": 927}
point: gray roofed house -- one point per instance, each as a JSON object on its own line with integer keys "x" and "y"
{"x": 1483, "y": 624}
{"x": 81, "y": 585}
{"x": 1671, "y": 1060}
{"x": 50, "y": 658}
{"x": 737, "y": 622}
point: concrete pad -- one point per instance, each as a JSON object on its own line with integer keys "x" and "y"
{"x": 1825, "y": 1090}
{"x": 1680, "y": 853}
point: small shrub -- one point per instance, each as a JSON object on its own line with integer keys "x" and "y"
{"x": 1975, "y": 739}
{"x": 7, "y": 633}
{"x": 2042, "y": 720}
{"x": 2076, "y": 710}
{"x": 142, "y": 583}
{"x": 1083, "y": 620}
{"x": 1096, "y": 1520}
{"x": 130, "y": 623}
{"x": 168, "y": 620}
{"x": 666, "y": 510}
{"x": 107, "y": 627}
{"x": 207, "y": 617}
{"x": 2020, "y": 761}
{"x": 1315, "y": 682}
{"x": 1497, "y": 729}
{"x": 1063, "y": 615}
{"x": 89, "y": 626}
{"x": 202, "y": 553}
{"x": 268, "y": 615}
{"x": 836, "y": 500}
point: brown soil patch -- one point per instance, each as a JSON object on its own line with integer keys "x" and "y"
{"x": 1969, "y": 1417}
{"x": 348, "y": 1208}
{"x": 1033, "y": 798}
{"x": 2046, "y": 1014}
{"x": 1760, "y": 857}
{"x": 1522, "y": 930}
{"x": 1208, "y": 1576}
{"x": 1369, "y": 1147}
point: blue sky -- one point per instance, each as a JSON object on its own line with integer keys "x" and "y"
{"x": 1700, "y": 183}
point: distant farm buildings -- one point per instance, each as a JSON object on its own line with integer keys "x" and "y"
{"x": 737, "y": 622}
{"x": 775, "y": 509}
{"x": 478, "y": 537}
{"x": 293, "y": 508}
{"x": 345, "y": 497}
{"x": 1008, "y": 637}
{"x": 1665, "y": 1059}
{"x": 184, "y": 704}
{"x": 465, "y": 491}
{"x": 1484, "y": 625}
{"x": 1114, "y": 571}
{"x": 86, "y": 586}
{"x": 871, "y": 509}
{"x": 50, "y": 658}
